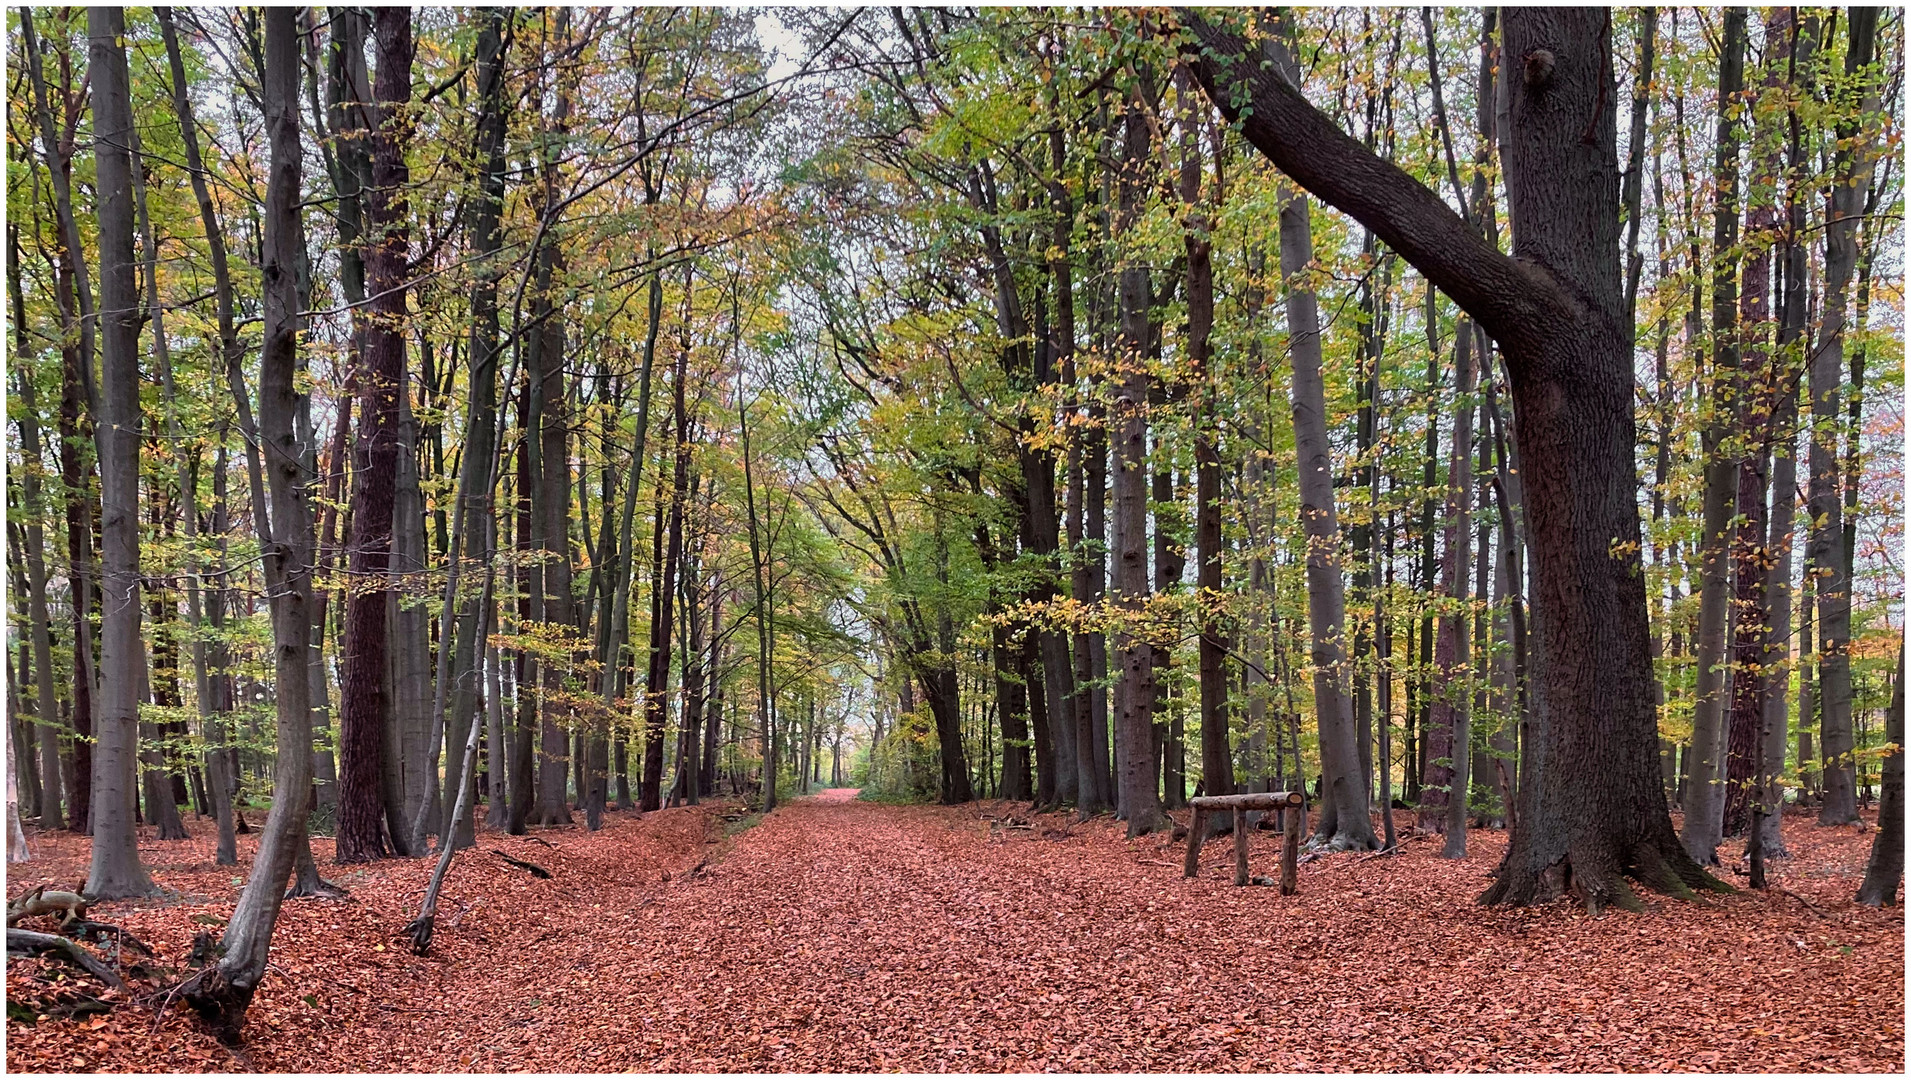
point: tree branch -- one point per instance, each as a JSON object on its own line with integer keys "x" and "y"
{"x": 1503, "y": 295}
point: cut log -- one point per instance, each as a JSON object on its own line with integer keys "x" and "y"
{"x": 1263, "y": 800}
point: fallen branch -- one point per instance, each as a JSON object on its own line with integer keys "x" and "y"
{"x": 536, "y": 870}
{"x": 34, "y": 943}
{"x": 1393, "y": 850}
{"x": 1814, "y": 908}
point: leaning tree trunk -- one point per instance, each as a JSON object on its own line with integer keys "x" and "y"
{"x": 116, "y": 870}
{"x": 1343, "y": 820}
{"x": 365, "y": 711}
{"x": 219, "y": 766}
{"x": 222, "y": 993}
{"x": 1594, "y": 811}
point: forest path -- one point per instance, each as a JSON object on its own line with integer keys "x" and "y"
{"x": 844, "y": 935}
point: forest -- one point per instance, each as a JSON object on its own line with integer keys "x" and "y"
{"x": 699, "y": 539}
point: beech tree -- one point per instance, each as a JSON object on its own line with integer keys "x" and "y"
{"x": 224, "y": 990}
{"x": 1597, "y": 812}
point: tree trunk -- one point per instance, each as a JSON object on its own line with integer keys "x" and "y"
{"x": 116, "y": 870}
{"x": 77, "y": 408}
{"x": 222, "y": 993}
{"x": 46, "y": 713}
{"x": 1825, "y": 549}
{"x": 663, "y": 606}
{"x": 1595, "y": 811}
{"x": 1705, "y": 800}
{"x": 1135, "y": 692}
{"x": 365, "y": 710}
{"x": 1884, "y": 871}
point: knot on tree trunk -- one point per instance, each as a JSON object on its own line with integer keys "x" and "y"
{"x": 1539, "y": 68}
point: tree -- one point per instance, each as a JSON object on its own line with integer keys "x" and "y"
{"x": 1139, "y": 800}
{"x": 1884, "y": 870}
{"x": 116, "y": 870}
{"x": 1596, "y": 813}
{"x": 1825, "y": 549}
{"x": 365, "y": 708}
{"x": 223, "y": 991}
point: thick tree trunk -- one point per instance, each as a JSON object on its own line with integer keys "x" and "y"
{"x": 365, "y": 708}
{"x": 1594, "y": 811}
{"x": 116, "y": 870}
{"x": 405, "y": 785}
{"x": 1884, "y": 871}
{"x": 1139, "y": 801}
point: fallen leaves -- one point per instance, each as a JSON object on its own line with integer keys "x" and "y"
{"x": 849, "y": 936}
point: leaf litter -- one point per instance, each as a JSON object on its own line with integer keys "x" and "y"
{"x": 839, "y": 935}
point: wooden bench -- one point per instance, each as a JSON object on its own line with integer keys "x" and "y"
{"x": 1288, "y": 801}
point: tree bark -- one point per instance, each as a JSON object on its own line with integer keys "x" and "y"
{"x": 1825, "y": 548}
{"x": 365, "y": 709}
{"x": 77, "y": 408}
{"x": 1139, "y": 800}
{"x": 663, "y": 607}
{"x": 222, "y": 993}
{"x": 1884, "y": 870}
{"x": 1596, "y": 812}
{"x": 116, "y": 870}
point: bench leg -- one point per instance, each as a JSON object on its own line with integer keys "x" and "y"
{"x": 1197, "y": 831}
{"x": 1240, "y": 847}
{"x": 1290, "y": 851}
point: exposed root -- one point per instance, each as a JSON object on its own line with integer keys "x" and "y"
{"x": 219, "y": 1002}
{"x": 419, "y": 930}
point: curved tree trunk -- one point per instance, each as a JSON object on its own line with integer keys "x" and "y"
{"x": 1594, "y": 811}
{"x": 222, "y": 993}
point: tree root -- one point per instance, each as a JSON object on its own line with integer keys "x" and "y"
{"x": 419, "y": 930}
{"x": 219, "y": 1002}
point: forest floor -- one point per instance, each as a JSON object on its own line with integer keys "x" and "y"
{"x": 843, "y": 935}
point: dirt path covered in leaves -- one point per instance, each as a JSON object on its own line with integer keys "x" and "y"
{"x": 842, "y": 935}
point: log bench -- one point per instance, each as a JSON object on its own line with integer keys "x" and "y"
{"x": 1239, "y": 805}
